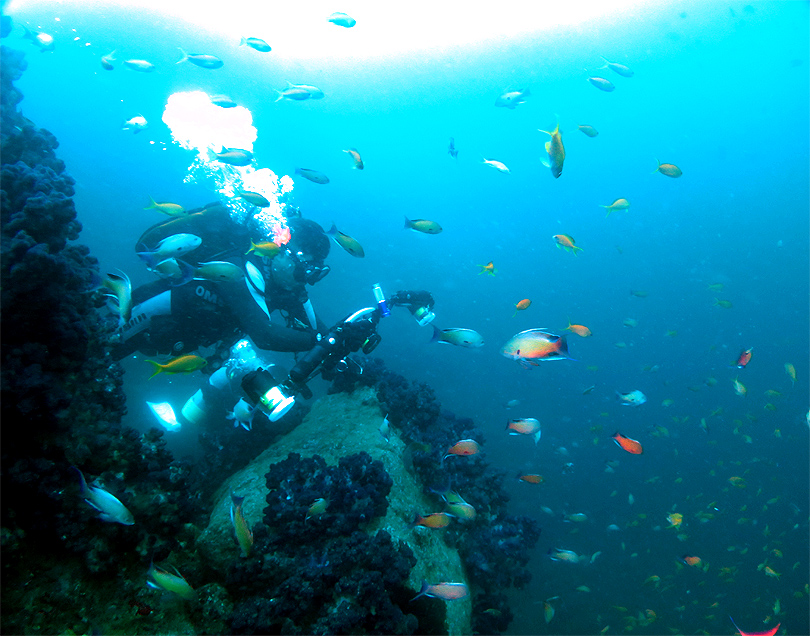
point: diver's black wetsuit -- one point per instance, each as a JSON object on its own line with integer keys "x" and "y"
{"x": 177, "y": 320}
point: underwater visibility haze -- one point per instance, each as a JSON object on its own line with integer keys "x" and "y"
{"x": 603, "y": 428}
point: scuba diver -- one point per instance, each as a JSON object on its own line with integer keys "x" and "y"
{"x": 212, "y": 294}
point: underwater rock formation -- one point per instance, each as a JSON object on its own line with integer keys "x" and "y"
{"x": 380, "y": 566}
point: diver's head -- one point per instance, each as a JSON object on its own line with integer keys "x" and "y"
{"x": 301, "y": 260}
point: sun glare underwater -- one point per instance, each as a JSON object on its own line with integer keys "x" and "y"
{"x": 591, "y": 416}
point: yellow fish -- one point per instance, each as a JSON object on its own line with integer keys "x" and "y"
{"x": 243, "y": 534}
{"x": 618, "y": 204}
{"x": 422, "y": 225}
{"x": 675, "y": 519}
{"x": 171, "y": 209}
{"x": 555, "y": 150}
{"x": 352, "y": 246}
{"x": 183, "y": 364}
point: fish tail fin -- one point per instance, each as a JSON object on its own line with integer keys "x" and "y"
{"x": 537, "y": 436}
{"x": 657, "y": 166}
{"x": 332, "y": 231}
{"x": 544, "y": 131}
{"x": 408, "y": 224}
{"x": 514, "y": 314}
{"x": 437, "y": 334}
{"x": 184, "y": 58}
{"x": 424, "y": 590}
{"x": 562, "y": 347}
{"x": 243, "y": 42}
{"x": 152, "y": 203}
{"x": 252, "y": 247}
{"x": 158, "y": 368}
{"x": 236, "y": 499}
{"x": 83, "y": 483}
{"x": 280, "y": 95}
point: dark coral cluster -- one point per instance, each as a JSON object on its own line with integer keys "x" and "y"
{"x": 62, "y": 398}
{"x": 325, "y": 574}
{"x": 494, "y": 546}
{"x": 355, "y": 490}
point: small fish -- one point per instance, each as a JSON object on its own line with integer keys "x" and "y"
{"x": 140, "y": 65}
{"x": 566, "y": 242}
{"x": 769, "y": 632}
{"x": 181, "y": 364}
{"x": 534, "y": 345}
{"x": 525, "y": 426}
{"x": 667, "y": 403}
{"x": 242, "y": 415}
{"x": 461, "y": 510}
{"x": 201, "y": 59}
{"x": 318, "y": 507}
{"x": 256, "y": 44}
{"x": 294, "y": 93}
{"x": 107, "y": 61}
{"x": 580, "y": 330}
{"x": 668, "y": 170}
{"x": 352, "y": 246}
{"x": 355, "y": 155}
{"x": 268, "y": 249}
{"x": 634, "y": 398}
{"x": 588, "y": 389}
{"x": 555, "y": 151}
{"x": 639, "y": 293}
{"x": 630, "y": 445}
{"x": 583, "y": 588}
{"x": 136, "y": 124}
{"x": 43, "y": 41}
{"x": 435, "y": 520}
{"x": 422, "y": 225}
{"x": 313, "y": 175}
{"x": 512, "y": 404}
{"x": 791, "y": 371}
{"x": 243, "y": 534}
{"x": 532, "y": 478}
{"x": 463, "y": 448}
{"x": 385, "y": 429}
{"x": 675, "y": 519}
{"x": 694, "y": 561}
{"x": 630, "y": 322}
{"x": 165, "y": 414}
{"x": 602, "y": 84}
{"x": 254, "y": 198}
{"x": 161, "y": 579}
{"x": 576, "y": 517}
{"x": 590, "y": 131}
{"x": 618, "y": 204}
{"x": 444, "y": 591}
{"x": 489, "y": 268}
{"x": 500, "y": 167}
{"x": 744, "y": 358}
{"x": 739, "y": 387}
{"x": 175, "y": 270}
{"x": 556, "y": 554}
{"x": 512, "y": 99}
{"x": 451, "y": 149}
{"x": 342, "y": 19}
{"x": 620, "y": 69}
{"x": 121, "y": 296}
{"x": 234, "y": 156}
{"x": 522, "y": 305}
{"x": 170, "y": 209}
{"x": 458, "y": 336}
{"x": 109, "y": 507}
{"x": 172, "y": 246}
{"x": 548, "y": 611}
{"x": 219, "y": 271}
{"x": 223, "y": 101}
{"x": 718, "y": 287}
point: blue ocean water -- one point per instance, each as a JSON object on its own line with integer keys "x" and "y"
{"x": 720, "y": 89}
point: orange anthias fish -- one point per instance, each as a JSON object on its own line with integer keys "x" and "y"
{"x": 739, "y": 388}
{"x": 566, "y": 242}
{"x": 770, "y": 632}
{"x": 434, "y": 520}
{"x": 489, "y": 268}
{"x": 532, "y": 479}
{"x": 630, "y": 445}
{"x": 444, "y": 591}
{"x": 556, "y": 151}
{"x": 744, "y": 358}
{"x": 521, "y": 306}
{"x": 580, "y": 330}
{"x": 464, "y": 448}
{"x": 525, "y": 426}
{"x": 534, "y": 345}
{"x": 694, "y": 561}
{"x": 675, "y": 519}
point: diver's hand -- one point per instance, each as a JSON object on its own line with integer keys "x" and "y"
{"x": 350, "y": 336}
{"x": 413, "y": 298}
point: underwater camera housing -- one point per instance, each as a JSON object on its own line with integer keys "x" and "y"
{"x": 261, "y": 388}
